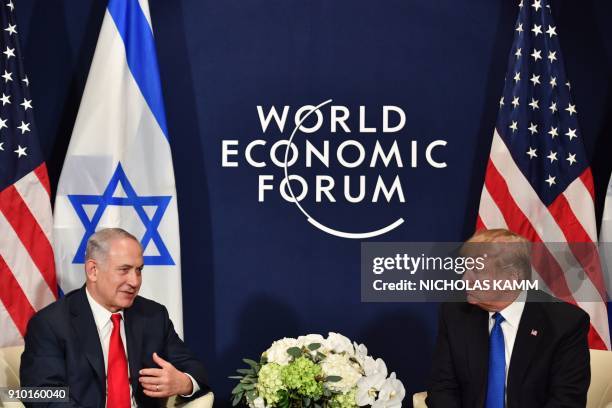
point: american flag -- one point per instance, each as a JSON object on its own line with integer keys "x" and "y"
{"x": 538, "y": 182}
{"x": 27, "y": 271}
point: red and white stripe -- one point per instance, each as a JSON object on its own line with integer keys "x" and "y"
{"x": 27, "y": 269}
{"x": 509, "y": 201}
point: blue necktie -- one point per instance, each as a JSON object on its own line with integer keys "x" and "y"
{"x": 497, "y": 365}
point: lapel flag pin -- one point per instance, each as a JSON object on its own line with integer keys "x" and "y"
{"x": 534, "y": 332}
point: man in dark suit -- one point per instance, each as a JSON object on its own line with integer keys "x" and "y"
{"x": 514, "y": 349}
{"x": 109, "y": 346}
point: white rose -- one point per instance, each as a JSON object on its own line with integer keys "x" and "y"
{"x": 339, "y": 344}
{"x": 277, "y": 353}
{"x": 309, "y": 339}
{"x": 339, "y": 365}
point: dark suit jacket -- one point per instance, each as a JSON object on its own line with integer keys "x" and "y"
{"x": 549, "y": 366}
{"x": 62, "y": 348}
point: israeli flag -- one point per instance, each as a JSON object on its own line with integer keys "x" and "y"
{"x": 605, "y": 248}
{"x": 118, "y": 168}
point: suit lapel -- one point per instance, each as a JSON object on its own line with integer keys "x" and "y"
{"x": 478, "y": 350}
{"x": 86, "y": 333}
{"x": 133, "y": 335}
{"x": 530, "y": 331}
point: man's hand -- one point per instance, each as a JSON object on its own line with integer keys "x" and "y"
{"x": 165, "y": 381}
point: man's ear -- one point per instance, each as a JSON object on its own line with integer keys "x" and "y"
{"x": 91, "y": 268}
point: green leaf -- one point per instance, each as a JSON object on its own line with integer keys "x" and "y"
{"x": 294, "y": 352}
{"x": 236, "y": 377}
{"x": 246, "y": 371}
{"x": 320, "y": 355}
{"x": 252, "y": 363}
{"x": 307, "y": 401}
{"x": 236, "y": 399}
{"x": 247, "y": 386}
{"x": 314, "y": 346}
{"x": 333, "y": 378}
{"x": 238, "y": 388}
{"x": 251, "y": 395}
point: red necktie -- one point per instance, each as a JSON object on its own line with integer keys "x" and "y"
{"x": 117, "y": 375}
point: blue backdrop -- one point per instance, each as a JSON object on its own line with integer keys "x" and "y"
{"x": 254, "y": 272}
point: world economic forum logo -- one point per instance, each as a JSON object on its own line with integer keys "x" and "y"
{"x": 328, "y": 166}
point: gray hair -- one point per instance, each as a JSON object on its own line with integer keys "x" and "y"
{"x": 98, "y": 243}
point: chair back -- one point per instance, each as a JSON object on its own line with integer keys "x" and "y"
{"x": 10, "y": 358}
{"x": 600, "y": 390}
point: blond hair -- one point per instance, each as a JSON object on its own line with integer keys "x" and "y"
{"x": 517, "y": 255}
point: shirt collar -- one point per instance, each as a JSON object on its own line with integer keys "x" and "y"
{"x": 513, "y": 312}
{"x": 101, "y": 315}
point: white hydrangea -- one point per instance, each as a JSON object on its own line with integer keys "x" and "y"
{"x": 340, "y": 365}
{"x": 277, "y": 353}
{"x": 339, "y": 344}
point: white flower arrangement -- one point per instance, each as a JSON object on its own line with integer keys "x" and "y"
{"x": 317, "y": 372}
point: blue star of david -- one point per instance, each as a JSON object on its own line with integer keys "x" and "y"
{"x": 131, "y": 199}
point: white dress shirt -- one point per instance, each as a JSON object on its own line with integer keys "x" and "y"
{"x": 104, "y": 324}
{"x": 512, "y": 317}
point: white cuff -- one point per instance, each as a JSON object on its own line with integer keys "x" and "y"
{"x": 195, "y": 385}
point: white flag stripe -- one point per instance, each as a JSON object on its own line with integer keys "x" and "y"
{"x": 23, "y": 268}
{"x": 144, "y": 6}
{"x": 115, "y": 83}
{"x": 10, "y": 334}
{"x": 541, "y": 219}
{"x": 72, "y": 276}
{"x": 606, "y": 219}
{"x": 36, "y": 198}
{"x": 489, "y": 213}
{"x": 581, "y": 203}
